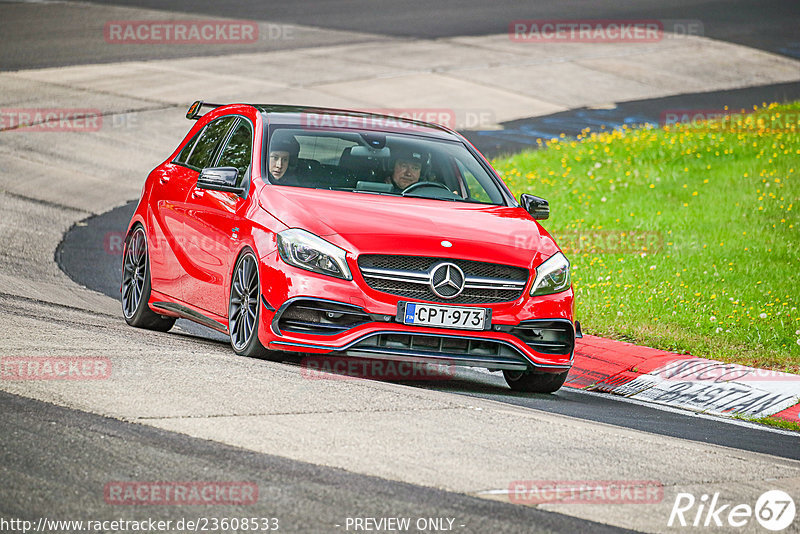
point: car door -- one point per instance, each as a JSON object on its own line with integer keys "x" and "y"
{"x": 184, "y": 244}
{"x": 170, "y": 187}
{"x": 213, "y": 224}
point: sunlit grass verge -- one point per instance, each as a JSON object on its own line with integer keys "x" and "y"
{"x": 683, "y": 238}
{"x": 773, "y": 421}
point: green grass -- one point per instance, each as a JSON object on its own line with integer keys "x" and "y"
{"x": 773, "y": 421}
{"x": 682, "y": 238}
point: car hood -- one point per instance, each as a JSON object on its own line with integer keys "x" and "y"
{"x": 364, "y": 223}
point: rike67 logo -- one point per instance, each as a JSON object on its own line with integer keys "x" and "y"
{"x": 774, "y": 510}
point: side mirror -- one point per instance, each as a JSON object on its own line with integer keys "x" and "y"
{"x": 220, "y": 179}
{"x": 536, "y": 206}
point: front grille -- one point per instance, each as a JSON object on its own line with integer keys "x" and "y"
{"x": 320, "y": 317}
{"x": 441, "y": 349}
{"x": 547, "y": 337}
{"x": 409, "y": 276}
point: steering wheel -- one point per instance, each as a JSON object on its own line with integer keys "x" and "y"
{"x": 419, "y": 185}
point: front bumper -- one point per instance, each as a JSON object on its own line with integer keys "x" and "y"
{"x": 306, "y": 312}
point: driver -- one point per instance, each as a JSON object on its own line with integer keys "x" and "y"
{"x": 283, "y": 153}
{"x": 406, "y": 168}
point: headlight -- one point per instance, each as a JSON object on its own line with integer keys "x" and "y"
{"x": 305, "y": 250}
{"x": 552, "y": 276}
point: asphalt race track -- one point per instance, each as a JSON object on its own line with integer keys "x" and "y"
{"x": 766, "y": 24}
{"x": 302, "y": 496}
{"x": 180, "y": 407}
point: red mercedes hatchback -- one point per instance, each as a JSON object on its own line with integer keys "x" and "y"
{"x": 336, "y": 232}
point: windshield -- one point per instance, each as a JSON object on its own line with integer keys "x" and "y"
{"x": 378, "y": 163}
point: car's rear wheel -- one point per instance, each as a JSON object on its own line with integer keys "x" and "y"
{"x": 535, "y": 382}
{"x": 244, "y": 309}
{"x": 136, "y": 285}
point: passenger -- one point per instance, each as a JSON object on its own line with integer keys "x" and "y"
{"x": 407, "y": 166}
{"x": 283, "y": 153}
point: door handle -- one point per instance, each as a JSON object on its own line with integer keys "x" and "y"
{"x": 164, "y": 179}
{"x": 197, "y": 193}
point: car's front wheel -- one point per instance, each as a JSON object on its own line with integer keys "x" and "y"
{"x": 243, "y": 307}
{"x": 535, "y": 382}
{"x": 136, "y": 285}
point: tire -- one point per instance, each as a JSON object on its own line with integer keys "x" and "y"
{"x": 244, "y": 307}
{"x": 535, "y": 382}
{"x": 136, "y": 285}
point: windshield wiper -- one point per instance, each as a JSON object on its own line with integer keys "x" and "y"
{"x": 434, "y": 198}
{"x": 368, "y": 192}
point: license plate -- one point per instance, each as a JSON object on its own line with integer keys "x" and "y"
{"x": 461, "y": 317}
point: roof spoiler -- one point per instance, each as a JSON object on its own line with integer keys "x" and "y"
{"x": 194, "y": 110}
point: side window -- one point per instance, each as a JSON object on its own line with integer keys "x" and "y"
{"x": 237, "y": 152}
{"x": 208, "y": 142}
{"x": 187, "y": 150}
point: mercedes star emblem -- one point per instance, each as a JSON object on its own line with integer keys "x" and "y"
{"x": 447, "y": 280}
